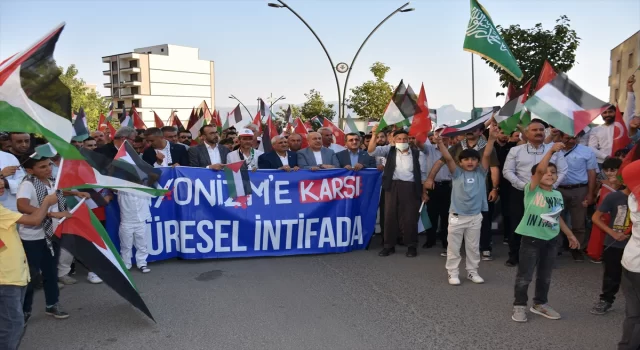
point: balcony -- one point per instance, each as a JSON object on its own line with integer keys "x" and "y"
{"x": 130, "y": 83}
{"x": 129, "y": 56}
{"x": 130, "y": 70}
{"x": 106, "y": 72}
{"x": 107, "y": 85}
{"x": 106, "y": 59}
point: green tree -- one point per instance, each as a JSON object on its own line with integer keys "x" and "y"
{"x": 531, "y": 47}
{"x": 281, "y": 119}
{"x": 315, "y": 106}
{"x": 81, "y": 96}
{"x": 370, "y": 99}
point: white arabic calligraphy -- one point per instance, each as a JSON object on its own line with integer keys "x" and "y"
{"x": 481, "y": 27}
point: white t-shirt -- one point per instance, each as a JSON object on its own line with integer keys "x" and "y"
{"x": 33, "y": 233}
{"x": 285, "y": 159}
{"x": 318, "y": 156}
{"x": 631, "y": 255}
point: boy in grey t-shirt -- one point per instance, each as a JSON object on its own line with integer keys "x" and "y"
{"x": 617, "y": 234}
{"x": 468, "y": 200}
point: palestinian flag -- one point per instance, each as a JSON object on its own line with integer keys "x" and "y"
{"x": 216, "y": 120}
{"x": 128, "y": 165}
{"x": 195, "y": 128}
{"x": 125, "y": 119}
{"x": 469, "y": 126}
{"x": 234, "y": 117}
{"x": 83, "y": 236}
{"x": 237, "y": 176}
{"x": 157, "y": 120}
{"x": 264, "y": 109}
{"x": 392, "y": 114}
{"x": 80, "y": 128}
{"x": 409, "y": 106}
{"x": 563, "y": 104}
{"x": 350, "y": 125}
{"x": 510, "y": 115}
{"x": 110, "y": 115}
{"x": 32, "y": 97}
{"x": 193, "y": 118}
{"x": 203, "y": 110}
{"x": 269, "y": 132}
{"x": 288, "y": 117}
{"x": 421, "y": 123}
{"x": 423, "y": 221}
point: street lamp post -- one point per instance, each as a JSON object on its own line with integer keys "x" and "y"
{"x": 342, "y": 93}
{"x": 237, "y": 99}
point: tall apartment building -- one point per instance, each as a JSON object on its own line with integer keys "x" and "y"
{"x": 160, "y": 78}
{"x": 625, "y": 60}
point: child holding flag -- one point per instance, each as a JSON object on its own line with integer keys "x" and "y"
{"x": 539, "y": 228}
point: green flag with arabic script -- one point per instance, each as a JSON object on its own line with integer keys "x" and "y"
{"x": 483, "y": 39}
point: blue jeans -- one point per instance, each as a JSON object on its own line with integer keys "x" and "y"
{"x": 11, "y": 316}
{"x": 540, "y": 255}
{"x": 40, "y": 260}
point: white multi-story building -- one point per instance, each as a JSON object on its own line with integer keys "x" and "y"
{"x": 160, "y": 78}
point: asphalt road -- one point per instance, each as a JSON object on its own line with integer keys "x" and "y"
{"x": 344, "y": 301}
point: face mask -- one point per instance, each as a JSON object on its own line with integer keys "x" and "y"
{"x": 402, "y": 146}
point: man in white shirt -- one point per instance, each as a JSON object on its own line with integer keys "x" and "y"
{"x": 601, "y": 137}
{"x": 12, "y": 173}
{"x": 517, "y": 170}
{"x": 246, "y": 151}
{"x": 315, "y": 156}
{"x": 162, "y": 153}
{"x": 631, "y": 263}
{"x": 208, "y": 154}
{"x": 328, "y": 140}
{"x": 402, "y": 183}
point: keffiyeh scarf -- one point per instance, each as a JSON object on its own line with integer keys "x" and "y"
{"x": 41, "y": 192}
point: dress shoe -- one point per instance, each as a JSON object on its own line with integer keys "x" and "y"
{"x": 411, "y": 252}
{"x": 387, "y": 251}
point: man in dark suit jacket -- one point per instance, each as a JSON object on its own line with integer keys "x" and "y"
{"x": 208, "y": 154}
{"x": 123, "y": 134}
{"x": 353, "y": 158}
{"x": 315, "y": 156}
{"x": 162, "y": 152}
{"x": 280, "y": 155}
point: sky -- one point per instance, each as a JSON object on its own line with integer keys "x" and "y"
{"x": 259, "y": 50}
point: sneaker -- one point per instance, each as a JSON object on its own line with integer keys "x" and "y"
{"x": 60, "y": 285}
{"x": 486, "y": 255}
{"x": 505, "y": 241}
{"x": 68, "y": 280}
{"x": 144, "y": 269}
{"x": 545, "y": 310}
{"x": 577, "y": 255}
{"x": 601, "y": 307}
{"x": 93, "y": 278}
{"x": 444, "y": 254}
{"x": 475, "y": 278}
{"x": 454, "y": 280}
{"x": 56, "y": 312}
{"x": 27, "y": 316}
{"x": 595, "y": 261}
{"x": 519, "y": 314}
{"x": 387, "y": 251}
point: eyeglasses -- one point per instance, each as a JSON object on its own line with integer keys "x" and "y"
{"x": 535, "y": 151}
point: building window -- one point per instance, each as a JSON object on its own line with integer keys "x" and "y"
{"x": 630, "y": 65}
{"x": 161, "y": 50}
{"x": 114, "y": 65}
{"x": 135, "y": 90}
{"x": 616, "y": 95}
{"x": 135, "y": 103}
{"x": 120, "y": 115}
{"x": 134, "y": 77}
{"x": 114, "y": 79}
{"x": 618, "y": 67}
{"x": 133, "y": 64}
{"x": 120, "y": 104}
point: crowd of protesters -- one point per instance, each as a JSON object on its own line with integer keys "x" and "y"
{"x": 537, "y": 182}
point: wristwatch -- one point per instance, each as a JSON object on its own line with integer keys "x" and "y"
{"x": 496, "y": 189}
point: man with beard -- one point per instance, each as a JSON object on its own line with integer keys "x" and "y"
{"x": 20, "y": 145}
{"x": 123, "y": 134}
{"x": 185, "y": 137}
{"x": 517, "y": 170}
{"x": 99, "y": 137}
{"x": 162, "y": 153}
{"x": 601, "y": 137}
{"x": 295, "y": 142}
{"x": 89, "y": 143}
{"x": 208, "y": 154}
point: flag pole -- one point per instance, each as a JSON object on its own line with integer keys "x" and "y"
{"x": 55, "y": 187}
{"x": 473, "y": 92}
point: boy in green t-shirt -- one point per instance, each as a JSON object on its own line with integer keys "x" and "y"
{"x": 539, "y": 228}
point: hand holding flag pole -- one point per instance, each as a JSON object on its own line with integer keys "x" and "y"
{"x": 73, "y": 210}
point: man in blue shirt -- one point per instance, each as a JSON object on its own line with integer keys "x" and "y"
{"x": 578, "y": 186}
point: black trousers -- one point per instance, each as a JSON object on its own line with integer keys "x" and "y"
{"x": 485, "y": 230}
{"x": 505, "y": 191}
{"x": 631, "y": 326}
{"x": 438, "y": 208}
{"x": 535, "y": 255}
{"x": 516, "y": 210}
{"x": 611, "y": 258}
{"x": 401, "y": 214}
